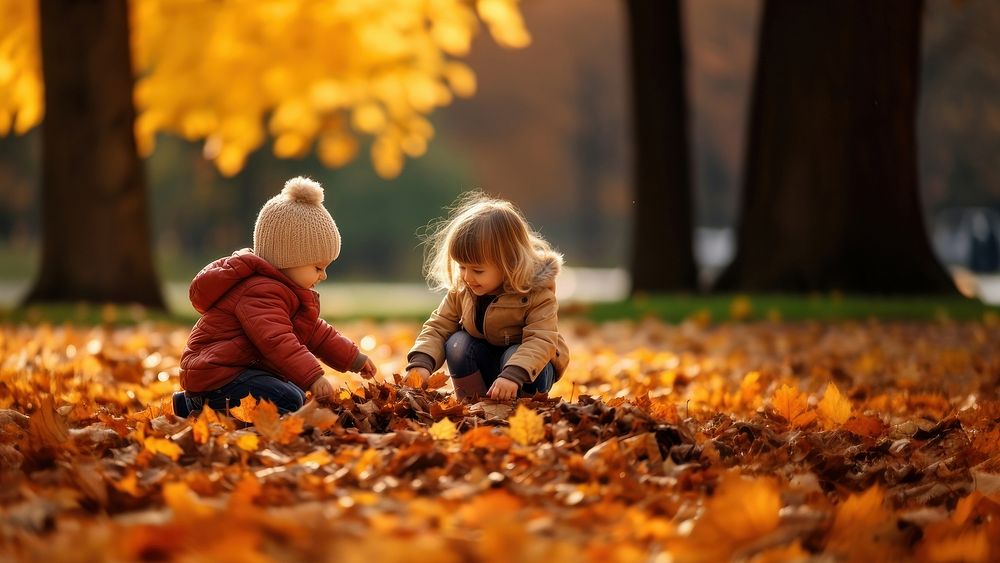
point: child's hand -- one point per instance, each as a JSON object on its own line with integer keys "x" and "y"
{"x": 503, "y": 389}
{"x": 368, "y": 370}
{"x": 322, "y": 389}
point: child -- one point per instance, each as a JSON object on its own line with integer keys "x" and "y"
{"x": 497, "y": 325}
{"x": 260, "y": 333}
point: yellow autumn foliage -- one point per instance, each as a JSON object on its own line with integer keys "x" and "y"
{"x": 309, "y": 75}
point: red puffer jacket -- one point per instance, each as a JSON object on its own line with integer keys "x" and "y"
{"x": 254, "y": 316}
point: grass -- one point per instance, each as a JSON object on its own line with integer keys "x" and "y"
{"x": 671, "y": 308}
{"x": 674, "y": 308}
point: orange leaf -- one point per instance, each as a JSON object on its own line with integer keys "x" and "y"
{"x": 741, "y": 511}
{"x": 202, "y": 426}
{"x": 437, "y": 380}
{"x": 46, "y": 427}
{"x": 163, "y": 446}
{"x": 864, "y": 425}
{"x": 245, "y": 410}
{"x": 487, "y": 437}
{"x": 413, "y": 379}
{"x": 792, "y": 405}
{"x": 835, "y": 408}
{"x": 526, "y": 427}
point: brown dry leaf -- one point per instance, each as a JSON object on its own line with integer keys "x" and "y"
{"x": 47, "y": 427}
{"x": 526, "y": 427}
{"x": 864, "y": 425}
{"x": 793, "y": 406}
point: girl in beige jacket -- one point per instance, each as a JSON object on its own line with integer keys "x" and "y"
{"x": 497, "y": 325}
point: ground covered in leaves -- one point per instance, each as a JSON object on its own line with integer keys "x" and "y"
{"x": 858, "y": 441}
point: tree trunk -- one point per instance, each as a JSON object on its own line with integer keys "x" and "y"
{"x": 662, "y": 254}
{"x": 95, "y": 223}
{"x": 830, "y": 199}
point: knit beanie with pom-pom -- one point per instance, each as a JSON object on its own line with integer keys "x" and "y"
{"x": 294, "y": 229}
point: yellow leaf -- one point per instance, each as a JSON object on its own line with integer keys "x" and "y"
{"x": 526, "y": 427}
{"x": 318, "y": 457}
{"x": 248, "y": 442}
{"x": 163, "y": 446}
{"x": 443, "y": 429}
{"x": 792, "y": 405}
{"x": 835, "y": 408}
{"x": 184, "y": 502}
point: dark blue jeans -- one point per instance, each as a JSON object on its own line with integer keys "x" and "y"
{"x": 466, "y": 355}
{"x": 260, "y": 384}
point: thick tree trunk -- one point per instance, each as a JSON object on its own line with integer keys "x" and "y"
{"x": 830, "y": 200}
{"x": 96, "y": 236}
{"x": 662, "y": 253}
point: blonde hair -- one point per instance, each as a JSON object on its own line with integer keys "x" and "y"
{"x": 484, "y": 230}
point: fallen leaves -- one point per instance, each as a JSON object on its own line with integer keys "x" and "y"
{"x": 756, "y": 442}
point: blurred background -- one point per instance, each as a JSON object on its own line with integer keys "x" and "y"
{"x": 529, "y": 134}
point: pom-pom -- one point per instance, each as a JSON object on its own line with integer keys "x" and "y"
{"x": 303, "y": 190}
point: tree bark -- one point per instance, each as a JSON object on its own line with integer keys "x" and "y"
{"x": 95, "y": 222}
{"x": 662, "y": 254}
{"x": 830, "y": 199}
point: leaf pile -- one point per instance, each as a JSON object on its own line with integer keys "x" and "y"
{"x": 690, "y": 442}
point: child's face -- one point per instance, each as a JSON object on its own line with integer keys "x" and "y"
{"x": 307, "y": 276}
{"x": 482, "y": 279}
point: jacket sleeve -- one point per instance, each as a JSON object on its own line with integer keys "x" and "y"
{"x": 540, "y": 335}
{"x": 265, "y": 319}
{"x": 443, "y": 322}
{"x": 335, "y": 349}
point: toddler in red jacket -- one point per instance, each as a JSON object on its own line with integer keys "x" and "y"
{"x": 260, "y": 333}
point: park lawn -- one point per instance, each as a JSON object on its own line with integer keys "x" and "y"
{"x": 670, "y": 308}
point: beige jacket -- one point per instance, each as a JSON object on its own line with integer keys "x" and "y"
{"x": 529, "y": 319}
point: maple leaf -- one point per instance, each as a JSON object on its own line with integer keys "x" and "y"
{"x": 664, "y": 410}
{"x": 834, "y": 408}
{"x": 413, "y": 379}
{"x": 741, "y": 511}
{"x": 443, "y": 429}
{"x": 487, "y": 437}
{"x": 526, "y": 427}
{"x": 437, "y": 380}
{"x": 245, "y": 410}
{"x": 202, "y": 426}
{"x": 247, "y": 441}
{"x": 163, "y": 446}
{"x": 864, "y": 529}
{"x": 791, "y": 404}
